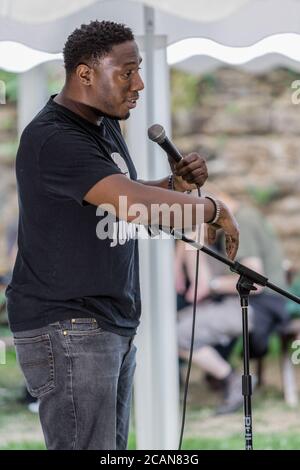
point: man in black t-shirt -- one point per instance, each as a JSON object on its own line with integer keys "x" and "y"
{"x": 74, "y": 299}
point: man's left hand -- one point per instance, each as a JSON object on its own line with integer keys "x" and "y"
{"x": 190, "y": 172}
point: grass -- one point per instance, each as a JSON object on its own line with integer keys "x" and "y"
{"x": 276, "y": 441}
{"x": 24, "y": 445}
{"x": 10, "y": 376}
{"x": 288, "y": 441}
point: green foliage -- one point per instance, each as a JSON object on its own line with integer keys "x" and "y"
{"x": 4, "y": 331}
{"x": 221, "y": 141}
{"x": 10, "y": 374}
{"x": 208, "y": 82}
{"x": 8, "y": 122}
{"x": 9, "y": 149}
{"x": 273, "y": 350}
{"x": 55, "y": 81}
{"x": 293, "y": 308}
{"x": 2, "y": 299}
{"x": 184, "y": 90}
{"x": 232, "y": 108}
{"x": 54, "y": 86}
{"x": 207, "y": 86}
{"x": 263, "y": 195}
{"x": 11, "y": 85}
{"x": 131, "y": 441}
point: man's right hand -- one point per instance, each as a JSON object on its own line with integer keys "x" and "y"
{"x": 229, "y": 225}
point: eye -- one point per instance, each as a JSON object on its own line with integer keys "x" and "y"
{"x": 128, "y": 74}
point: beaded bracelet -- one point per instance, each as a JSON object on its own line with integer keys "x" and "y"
{"x": 171, "y": 182}
{"x": 217, "y": 210}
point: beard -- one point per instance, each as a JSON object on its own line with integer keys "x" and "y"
{"x": 125, "y": 117}
{"x": 101, "y": 114}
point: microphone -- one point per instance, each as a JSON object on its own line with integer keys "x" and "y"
{"x": 157, "y": 134}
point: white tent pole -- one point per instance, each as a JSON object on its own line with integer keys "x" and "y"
{"x": 156, "y": 384}
{"x": 32, "y": 94}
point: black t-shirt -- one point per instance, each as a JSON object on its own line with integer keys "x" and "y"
{"x": 63, "y": 269}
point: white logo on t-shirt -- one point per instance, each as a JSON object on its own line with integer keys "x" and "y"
{"x": 122, "y": 231}
{"x": 120, "y": 162}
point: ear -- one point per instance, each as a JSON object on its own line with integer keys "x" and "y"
{"x": 84, "y": 74}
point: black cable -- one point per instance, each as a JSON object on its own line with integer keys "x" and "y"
{"x": 186, "y": 387}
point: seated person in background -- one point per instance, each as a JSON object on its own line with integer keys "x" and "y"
{"x": 218, "y": 314}
{"x": 218, "y": 324}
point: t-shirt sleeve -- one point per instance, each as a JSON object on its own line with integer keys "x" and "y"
{"x": 71, "y": 164}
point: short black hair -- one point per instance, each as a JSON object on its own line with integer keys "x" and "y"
{"x": 93, "y": 41}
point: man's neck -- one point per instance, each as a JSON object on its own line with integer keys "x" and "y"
{"x": 64, "y": 98}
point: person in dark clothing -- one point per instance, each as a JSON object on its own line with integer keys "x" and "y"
{"x": 74, "y": 299}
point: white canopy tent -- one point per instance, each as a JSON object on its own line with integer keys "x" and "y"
{"x": 44, "y": 26}
{"x": 156, "y": 24}
{"x": 34, "y": 12}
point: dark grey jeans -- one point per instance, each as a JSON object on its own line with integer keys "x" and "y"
{"x": 83, "y": 378}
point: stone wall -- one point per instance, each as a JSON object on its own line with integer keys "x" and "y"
{"x": 249, "y": 131}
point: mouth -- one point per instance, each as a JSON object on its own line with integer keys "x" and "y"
{"x": 131, "y": 103}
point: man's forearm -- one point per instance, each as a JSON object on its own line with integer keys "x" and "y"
{"x": 144, "y": 204}
{"x": 162, "y": 183}
{"x": 150, "y": 205}
{"x": 192, "y": 210}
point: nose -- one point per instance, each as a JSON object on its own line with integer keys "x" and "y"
{"x": 137, "y": 83}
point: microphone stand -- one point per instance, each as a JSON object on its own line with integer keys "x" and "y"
{"x": 244, "y": 286}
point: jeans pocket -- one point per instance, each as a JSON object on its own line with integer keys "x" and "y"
{"x": 35, "y": 357}
{"x": 84, "y": 326}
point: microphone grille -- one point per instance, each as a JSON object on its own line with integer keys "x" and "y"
{"x": 156, "y": 133}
